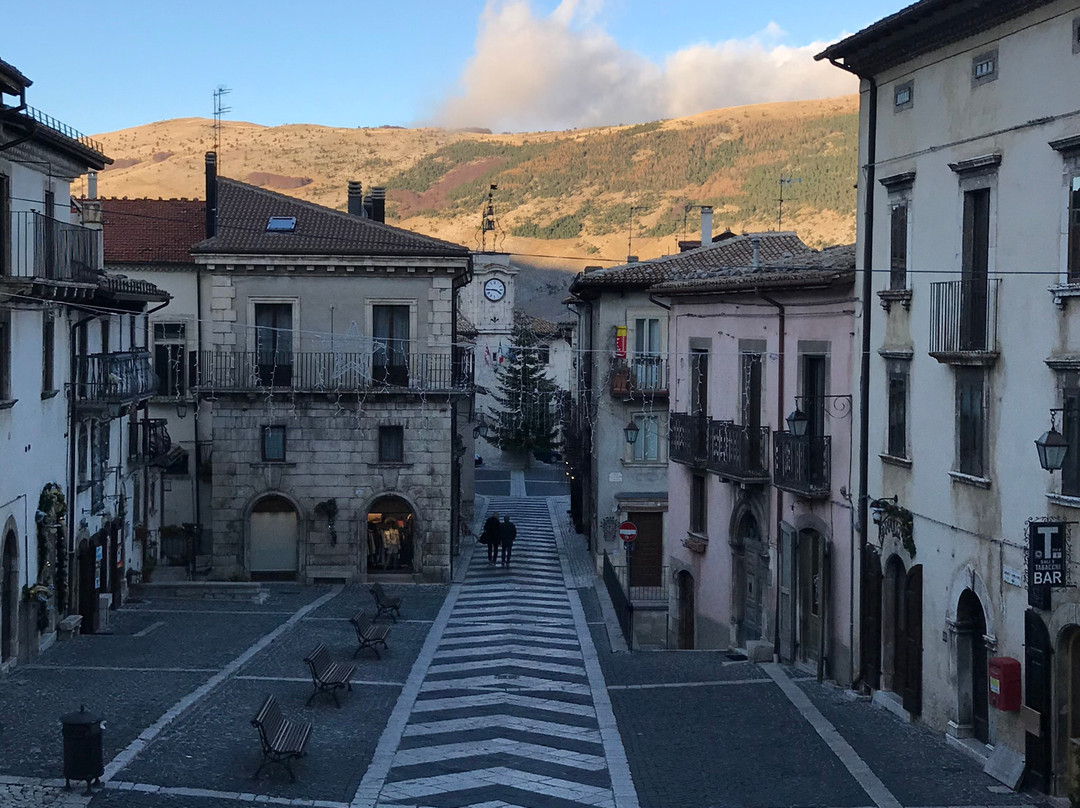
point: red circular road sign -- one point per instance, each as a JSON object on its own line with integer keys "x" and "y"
{"x": 627, "y": 531}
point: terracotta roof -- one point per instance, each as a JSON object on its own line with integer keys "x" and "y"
{"x": 244, "y": 210}
{"x": 920, "y": 28}
{"x": 738, "y": 251}
{"x": 465, "y": 328}
{"x": 152, "y": 231}
{"x": 831, "y": 265}
{"x": 538, "y": 326}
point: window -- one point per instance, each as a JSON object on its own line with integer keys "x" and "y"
{"x": 543, "y": 354}
{"x": 974, "y": 271}
{"x": 274, "y": 343}
{"x": 82, "y": 448}
{"x": 970, "y": 421}
{"x": 390, "y": 360}
{"x": 105, "y": 344}
{"x": 751, "y": 390}
{"x": 898, "y": 386}
{"x": 698, "y": 506}
{"x": 5, "y": 224}
{"x": 1070, "y": 429}
{"x": 984, "y": 67}
{"x": 281, "y": 224}
{"x": 48, "y": 348}
{"x": 391, "y": 444}
{"x": 1074, "y": 229}
{"x": 273, "y": 444}
{"x": 647, "y": 445}
{"x": 699, "y": 382}
{"x": 5, "y": 356}
{"x": 903, "y": 96}
{"x": 898, "y": 247}
{"x": 1076, "y": 35}
{"x": 170, "y": 358}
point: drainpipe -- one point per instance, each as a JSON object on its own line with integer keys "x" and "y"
{"x": 867, "y": 292}
{"x": 780, "y": 560}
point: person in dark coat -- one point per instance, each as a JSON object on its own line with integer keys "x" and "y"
{"x": 490, "y": 536}
{"x": 507, "y": 534}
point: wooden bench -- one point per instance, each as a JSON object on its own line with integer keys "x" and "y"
{"x": 384, "y": 603}
{"x": 281, "y": 738}
{"x": 368, "y": 633}
{"x": 327, "y": 675}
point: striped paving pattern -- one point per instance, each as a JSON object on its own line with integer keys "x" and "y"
{"x": 505, "y": 714}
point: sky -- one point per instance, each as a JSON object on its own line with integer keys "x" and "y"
{"x": 507, "y": 65}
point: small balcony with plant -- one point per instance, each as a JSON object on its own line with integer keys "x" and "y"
{"x": 640, "y": 374}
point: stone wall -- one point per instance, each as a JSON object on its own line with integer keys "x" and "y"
{"x": 332, "y": 451}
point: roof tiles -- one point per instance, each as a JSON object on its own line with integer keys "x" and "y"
{"x": 152, "y": 231}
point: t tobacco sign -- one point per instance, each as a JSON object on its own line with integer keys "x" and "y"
{"x": 1046, "y": 566}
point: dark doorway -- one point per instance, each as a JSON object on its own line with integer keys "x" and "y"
{"x": 911, "y": 643}
{"x": 274, "y": 343}
{"x": 646, "y": 566}
{"x": 971, "y": 628}
{"x": 88, "y": 572}
{"x": 1038, "y": 749}
{"x": 686, "y": 611}
{"x": 390, "y": 359}
{"x": 870, "y": 627}
{"x": 748, "y": 579}
{"x": 9, "y": 597}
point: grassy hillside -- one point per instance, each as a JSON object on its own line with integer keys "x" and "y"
{"x": 559, "y": 193}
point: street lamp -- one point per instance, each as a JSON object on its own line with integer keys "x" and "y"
{"x": 797, "y": 422}
{"x": 181, "y": 408}
{"x": 631, "y": 431}
{"x": 1052, "y": 447}
{"x": 481, "y": 429}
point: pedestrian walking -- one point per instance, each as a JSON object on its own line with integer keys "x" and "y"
{"x": 507, "y": 534}
{"x": 490, "y": 536}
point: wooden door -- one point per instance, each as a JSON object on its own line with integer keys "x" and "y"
{"x": 911, "y": 642}
{"x": 1038, "y": 749}
{"x": 788, "y": 583}
{"x": 646, "y": 565}
{"x": 980, "y": 718}
{"x": 974, "y": 270}
{"x": 870, "y": 617}
{"x": 811, "y": 595}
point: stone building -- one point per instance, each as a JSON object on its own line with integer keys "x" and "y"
{"x": 336, "y": 395}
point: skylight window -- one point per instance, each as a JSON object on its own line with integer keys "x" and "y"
{"x": 281, "y": 224}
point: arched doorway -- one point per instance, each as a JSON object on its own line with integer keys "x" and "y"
{"x": 811, "y": 594}
{"x": 748, "y": 575}
{"x": 1038, "y": 749}
{"x": 9, "y": 597}
{"x": 391, "y": 532}
{"x": 273, "y": 534}
{"x": 971, "y": 666}
{"x": 686, "y": 611}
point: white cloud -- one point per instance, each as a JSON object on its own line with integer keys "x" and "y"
{"x": 530, "y": 73}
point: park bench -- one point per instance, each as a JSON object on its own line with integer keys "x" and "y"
{"x": 384, "y": 603}
{"x": 281, "y": 738}
{"x": 368, "y": 633}
{"x": 327, "y": 675}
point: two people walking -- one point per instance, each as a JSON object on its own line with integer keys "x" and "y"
{"x": 498, "y": 535}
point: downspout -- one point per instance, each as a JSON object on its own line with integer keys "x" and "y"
{"x": 780, "y": 560}
{"x": 867, "y": 291}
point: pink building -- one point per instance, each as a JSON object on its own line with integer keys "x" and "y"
{"x": 759, "y": 524}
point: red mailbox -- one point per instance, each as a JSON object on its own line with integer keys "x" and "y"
{"x": 1004, "y": 687}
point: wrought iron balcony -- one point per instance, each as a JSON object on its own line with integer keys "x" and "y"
{"x": 114, "y": 379}
{"x": 42, "y": 248}
{"x": 644, "y": 374}
{"x": 687, "y": 436}
{"x": 738, "y": 453}
{"x": 803, "y": 465}
{"x": 313, "y": 372}
{"x": 148, "y": 440}
{"x": 963, "y": 321}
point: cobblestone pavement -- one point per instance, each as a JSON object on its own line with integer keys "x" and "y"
{"x": 492, "y": 693}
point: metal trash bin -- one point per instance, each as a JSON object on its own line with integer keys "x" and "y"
{"x": 83, "y": 756}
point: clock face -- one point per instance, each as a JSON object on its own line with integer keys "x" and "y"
{"x": 494, "y": 289}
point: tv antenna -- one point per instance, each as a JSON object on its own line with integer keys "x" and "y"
{"x": 219, "y": 110}
{"x": 488, "y": 222}
{"x": 630, "y": 233}
{"x": 780, "y": 214}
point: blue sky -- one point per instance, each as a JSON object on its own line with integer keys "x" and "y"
{"x": 505, "y": 64}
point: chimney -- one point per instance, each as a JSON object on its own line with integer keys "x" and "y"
{"x": 378, "y": 203}
{"x": 91, "y": 185}
{"x": 755, "y": 242}
{"x": 631, "y": 259}
{"x": 211, "y": 194}
{"x": 356, "y": 198}
{"x": 706, "y": 225}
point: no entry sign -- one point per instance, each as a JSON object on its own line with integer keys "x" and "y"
{"x": 627, "y": 531}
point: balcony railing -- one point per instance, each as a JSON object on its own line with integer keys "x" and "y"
{"x": 687, "y": 436}
{"x": 114, "y": 378}
{"x": 803, "y": 465}
{"x": 738, "y": 453}
{"x": 49, "y": 249}
{"x": 963, "y": 319}
{"x": 148, "y": 440}
{"x": 339, "y": 372}
{"x": 639, "y": 373}
{"x": 62, "y": 128}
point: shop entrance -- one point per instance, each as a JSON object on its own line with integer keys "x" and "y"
{"x": 9, "y": 597}
{"x": 272, "y": 531}
{"x": 391, "y": 528}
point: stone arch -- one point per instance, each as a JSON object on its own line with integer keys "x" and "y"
{"x": 411, "y": 548}
{"x": 251, "y": 508}
{"x": 969, "y": 578}
{"x": 9, "y": 591}
{"x": 749, "y": 570}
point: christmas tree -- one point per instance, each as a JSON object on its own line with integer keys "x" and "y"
{"x": 528, "y": 418}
